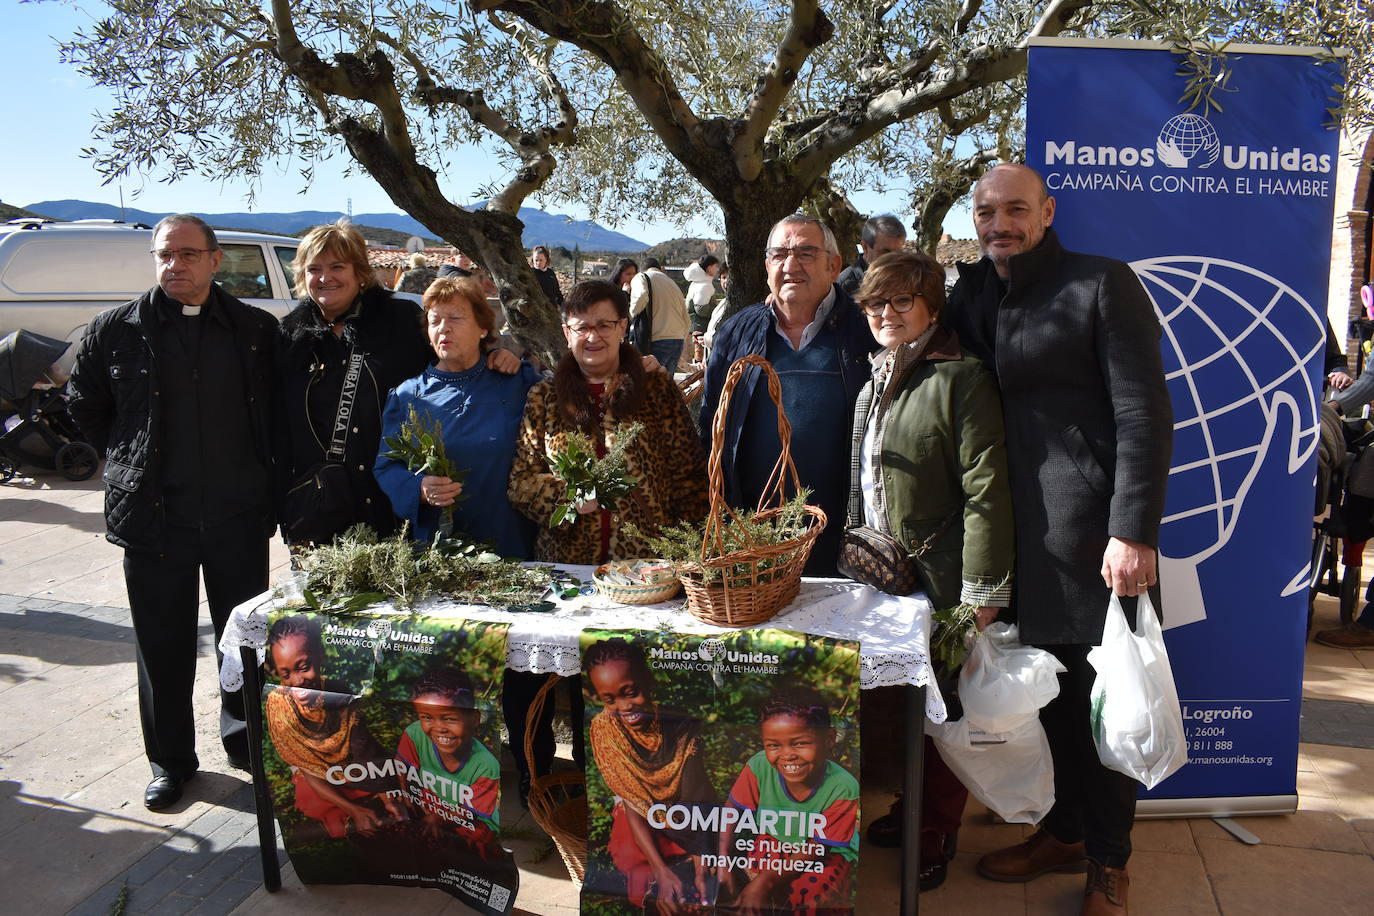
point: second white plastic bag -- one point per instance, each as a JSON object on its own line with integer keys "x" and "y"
{"x": 1011, "y": 773}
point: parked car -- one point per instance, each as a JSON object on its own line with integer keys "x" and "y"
{"x": 56, "y": 276}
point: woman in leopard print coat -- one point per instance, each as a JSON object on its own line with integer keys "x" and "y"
{"x": 598, "y": 389}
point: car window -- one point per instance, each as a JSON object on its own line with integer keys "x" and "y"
{"x": 286, "y": 256}
{"x": 243, "y": 273}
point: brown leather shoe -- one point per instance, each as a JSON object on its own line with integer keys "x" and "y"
{"x": 1350, "y": 636}
{"x": 1105, "y": 894}
{"x": 1040, "y": 854}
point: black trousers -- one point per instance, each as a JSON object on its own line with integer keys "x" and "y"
{"x": 517, "y": 696}
{"x": 1092, "y": 804}
{"x": 164, "y": 595}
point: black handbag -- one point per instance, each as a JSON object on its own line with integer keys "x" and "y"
{"x": 320, "y": 503}
{"x": 641, "y": 331}
{"x": 869, "y": 556}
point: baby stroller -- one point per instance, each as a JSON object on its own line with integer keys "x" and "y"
{"x": 1344, "y": 522}
{"x": 37, "y": 429}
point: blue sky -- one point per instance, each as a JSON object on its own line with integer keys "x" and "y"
{"x": 50, "y": 109}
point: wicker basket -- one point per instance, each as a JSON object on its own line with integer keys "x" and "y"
{"x": 558, "y": 801}
{"x": 635, "y": 594}
{"x": 750, "y": 585}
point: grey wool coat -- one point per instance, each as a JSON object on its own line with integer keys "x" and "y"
{"x": 1089, "y": 425}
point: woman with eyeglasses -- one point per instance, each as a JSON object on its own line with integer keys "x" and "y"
{"x": 930, "y": 460}
{"x": 599, "y": 388}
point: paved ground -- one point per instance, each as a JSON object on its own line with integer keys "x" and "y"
{"x": 75, "y": 838}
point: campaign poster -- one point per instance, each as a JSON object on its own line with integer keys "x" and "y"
{"x": 381, "y": 744}
{"x": 1224, "y": 212}
{"x": 722, "y": 771}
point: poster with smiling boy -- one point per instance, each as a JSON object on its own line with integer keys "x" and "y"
{"x": 722, "y": 771}
{"x": 380, "y": 747}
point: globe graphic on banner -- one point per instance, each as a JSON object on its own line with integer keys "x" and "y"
{"x": 1236, "y": 346}
{"x": 1185, "y": 138}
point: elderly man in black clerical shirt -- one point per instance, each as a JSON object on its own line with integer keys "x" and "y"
{"x": 174, "y": 389}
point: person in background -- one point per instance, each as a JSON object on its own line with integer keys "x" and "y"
{"x": 700, "y": 295}
{"x": 954, "y": 488}
{"x": 1337, "y": 371}
{"x": 880, "y": 235}
{"x": 1074, "y": 342}
{"x": 460, "y": 265}
{"x": 1350, "y": 397}
{"x": 656, "y": 290}
{"x": 624, "y": 273}
{"x": 174, "y": 390}
{"x": 548, "y": 280}
{"x": 418, "y": 278}
{"x": 479, "y": 410}
{"x": 818, "y": 342}
{"x": 717, "y": 313}
{"x": 701, "y": 274}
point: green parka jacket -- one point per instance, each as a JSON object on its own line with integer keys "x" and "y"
{"x": 940, "y": 452}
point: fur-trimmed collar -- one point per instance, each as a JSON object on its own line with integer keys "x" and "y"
{"x": 302, "y": 327}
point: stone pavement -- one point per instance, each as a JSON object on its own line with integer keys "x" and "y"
{"x": 75, "y": 837}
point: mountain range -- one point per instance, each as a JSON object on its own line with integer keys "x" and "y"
{"x": 540, "y": 228}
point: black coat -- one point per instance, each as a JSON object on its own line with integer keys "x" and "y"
{"x": 312, "y": 363}
{"x": 1089, "y": 425}
{"x": 115, "y": 400}
{"x": 548, "y": 282}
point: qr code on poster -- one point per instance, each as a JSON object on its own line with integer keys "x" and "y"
{"x": 500, "y": 896}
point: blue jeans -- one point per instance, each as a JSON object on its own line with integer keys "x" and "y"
{"x": 667, "y": 353}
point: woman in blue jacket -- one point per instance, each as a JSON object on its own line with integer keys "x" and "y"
{"x": 479, "y": 410}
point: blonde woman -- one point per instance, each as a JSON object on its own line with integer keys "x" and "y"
{"x": 347, "y": 334}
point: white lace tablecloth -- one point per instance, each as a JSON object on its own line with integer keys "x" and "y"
{"x": 893, "y": 633}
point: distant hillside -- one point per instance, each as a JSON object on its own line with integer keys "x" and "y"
{"x": 8, "y": 212}
{"x": 680, "y": 252}
{"x": 540, "y": 228}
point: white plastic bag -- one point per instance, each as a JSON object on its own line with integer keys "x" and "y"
{"x": 1004, "y": 684}
{"x": 1011, "y": 773}
{"x": 1136, "y": 719}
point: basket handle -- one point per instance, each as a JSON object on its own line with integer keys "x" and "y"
{"x": 713, "y": 533}
{"x": 532, "y": 718}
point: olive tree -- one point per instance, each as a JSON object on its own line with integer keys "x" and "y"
{"x": 739, "y": 110}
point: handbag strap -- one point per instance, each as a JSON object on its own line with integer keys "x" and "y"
{"x": 348, "y": 394}
{"x": 924, "y": 547}
{"x": 648, "y": 313}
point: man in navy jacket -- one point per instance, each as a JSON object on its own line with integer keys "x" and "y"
{"x": 818, "y": 342}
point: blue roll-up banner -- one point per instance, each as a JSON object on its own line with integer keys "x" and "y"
{"x": 1225, "y": 215}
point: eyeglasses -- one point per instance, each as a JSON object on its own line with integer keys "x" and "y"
{"x": 600, "y": 328}
{"x": 805, "y": 254}
{"x": 184, "y": 255}
{"x": 900, "y": 304}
